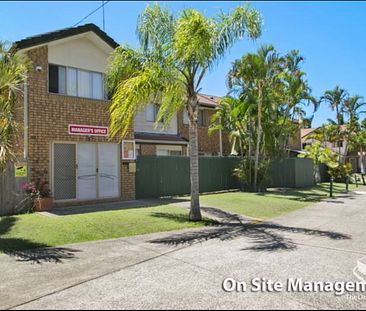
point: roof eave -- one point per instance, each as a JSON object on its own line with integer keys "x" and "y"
{"x": 46, "y": 38}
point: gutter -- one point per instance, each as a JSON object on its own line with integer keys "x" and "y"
{"x": 161, "y": 142}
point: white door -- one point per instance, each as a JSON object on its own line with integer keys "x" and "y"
{"x": 87, "y": 171}
{"x": 108, "y": 169}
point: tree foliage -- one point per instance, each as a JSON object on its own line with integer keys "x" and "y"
{"x": 343, "y": 131}
{"x": 264, "y": 107}
{"x": 174, "y": 55}
{"x": 13, "y": 70}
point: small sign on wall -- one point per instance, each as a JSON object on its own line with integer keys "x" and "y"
{"x": 20, "y": 170}
{"x": 89, "y": 130}
{"x": 132, "y": 167}
{"x": 128, "y": 150}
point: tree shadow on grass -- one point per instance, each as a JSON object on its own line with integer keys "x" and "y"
{"x": 28, "y": 251}
{"x": 265, "y": 236}
{"x": 181, "y": 218}
{"x": 308, "y": 194}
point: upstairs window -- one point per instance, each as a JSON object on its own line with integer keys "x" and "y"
{"x": 152, "y": 111}
{"x": 200, "y": 118}
{"x": 76, "y": 82}
{"x": 185, "y": 117}
{"x": 57, "y": 79}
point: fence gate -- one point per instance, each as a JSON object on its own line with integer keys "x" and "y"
{"x": 11, "y": 195}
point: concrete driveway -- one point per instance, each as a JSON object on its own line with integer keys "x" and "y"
{"x": 185, "y": 269}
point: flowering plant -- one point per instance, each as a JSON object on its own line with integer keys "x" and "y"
{"x": 38, "y": 189}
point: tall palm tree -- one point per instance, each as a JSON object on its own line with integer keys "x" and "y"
{"x": 254, "y": 76}
{"x": 352, "y": 108}
{"x": 296, "y": 96}
{"x": 13, "y": 70}
{"x": 336, "y": 98}
{"x": 354, "y": 135}
{"x": 175, "y": 54}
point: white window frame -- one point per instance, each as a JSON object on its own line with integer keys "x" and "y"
{"x": 169, "y": 148}
{"x": 123, "y": 149}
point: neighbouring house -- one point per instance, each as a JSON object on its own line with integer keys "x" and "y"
{"x": 352, "y": 157}
{"x": 294, "y": 142}
{"x": 64, "y": 113}
{"x": 173, "y": 139}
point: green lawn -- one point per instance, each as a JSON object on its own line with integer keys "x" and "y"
{"x": 273, "y": 203}
{"x": 32, "y": 230}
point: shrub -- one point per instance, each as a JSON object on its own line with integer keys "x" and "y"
{"x": 38, "y": 189}
{"x": 245, "y": 173}
{"x": 340, "y": 172}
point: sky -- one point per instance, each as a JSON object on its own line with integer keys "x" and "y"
{"x": 330, "y": 35}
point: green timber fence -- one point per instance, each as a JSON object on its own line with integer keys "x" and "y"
{"x": 158, "y": 176}
{"x": 291, "y": 173}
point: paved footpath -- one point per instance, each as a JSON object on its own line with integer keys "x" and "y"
{"x": 185, "y": 269}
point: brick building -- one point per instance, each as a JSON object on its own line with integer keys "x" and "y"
{"x": 173, "y": 140}
{"x": 64, "y": 116}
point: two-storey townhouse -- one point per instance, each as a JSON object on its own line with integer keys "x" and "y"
{"x": 154, "y": 139}
{"x": 64, "y": 113}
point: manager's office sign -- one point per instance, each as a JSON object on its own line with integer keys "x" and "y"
{"x": 89, "y": 130}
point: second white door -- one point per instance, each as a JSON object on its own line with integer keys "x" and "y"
{"x": 108, "y": 170}
{"x": 98, "y": 171}
{"x": 87, "y": 171}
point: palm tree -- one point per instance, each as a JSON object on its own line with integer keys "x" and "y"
{"x": 13, "y": 70}
{"x": 168, "y": 68}
{"x": 296, "y": 96}
{"x": 352, "y": 108}
{"x": 336, "y": 99}
{"x": 254, "y": 76}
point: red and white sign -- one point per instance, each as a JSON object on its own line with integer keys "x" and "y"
{"x": 89, "y": 130}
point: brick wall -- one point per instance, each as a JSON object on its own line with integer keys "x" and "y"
{"x": 147, "y": 149}
{"x": 206, "y": 143}
{"x": 50, "y": 115}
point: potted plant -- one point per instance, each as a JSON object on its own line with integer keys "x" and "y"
{"x": 40, "y": 195}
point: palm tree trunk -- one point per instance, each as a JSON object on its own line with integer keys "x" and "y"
{"x": 340, "y": 160}
{"x": 362, "y": 166}
{"x": 259, "y": 135}
{"x": 249, "y": 157}
{"x": 195, "y": 211}
{"x": 317, "y": 178}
